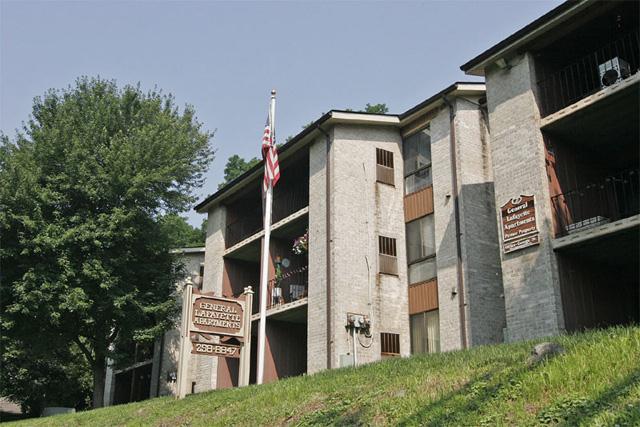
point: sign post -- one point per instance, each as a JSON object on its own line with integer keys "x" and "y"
{"x": 185, "y": 354}
{"x": 245, "y": 351}
{"x": 206, "y": 320}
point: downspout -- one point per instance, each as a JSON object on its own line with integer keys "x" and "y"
{"x": 456, "y": 214}
{"x": 328, "y": 241}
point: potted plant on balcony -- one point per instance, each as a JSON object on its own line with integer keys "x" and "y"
{"x": 301, "y": 244}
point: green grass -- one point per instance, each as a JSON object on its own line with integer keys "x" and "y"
{"x": 595, "y": 383}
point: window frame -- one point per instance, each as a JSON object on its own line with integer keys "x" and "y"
{"x": 418, "y": 262}
{"x": 421, "y": 168}
{"x": 420, "y": 259}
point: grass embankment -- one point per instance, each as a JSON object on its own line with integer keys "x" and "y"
{"x": 596, "y": 382}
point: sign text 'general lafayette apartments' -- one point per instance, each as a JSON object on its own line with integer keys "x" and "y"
{"x": 519, "y": 224}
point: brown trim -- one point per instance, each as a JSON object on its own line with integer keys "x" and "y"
{"x": 418, "y": 204}
{"x": 423, "y": 296}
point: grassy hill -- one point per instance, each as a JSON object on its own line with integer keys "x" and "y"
{"x": 596, "y": 382}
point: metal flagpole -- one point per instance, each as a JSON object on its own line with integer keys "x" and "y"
{"x": 264, "y": 272}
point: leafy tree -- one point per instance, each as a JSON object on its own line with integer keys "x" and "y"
{"x": 235, "y": 167}
{"x": 376, "y": 108}
{"x": 36, "y": 376}
{"x": 83, "y": 190}
{"x": 181, "y": 233}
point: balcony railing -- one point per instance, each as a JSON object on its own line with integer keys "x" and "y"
{"x": 617, "y": 197}
{"x": 582, "y": 78}
{"x": 292, "y": 286}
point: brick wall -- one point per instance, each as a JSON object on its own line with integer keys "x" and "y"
{"x": 530, "y": 276}
{"x": 317, "y": 293}
{"x": 361, "y": 210}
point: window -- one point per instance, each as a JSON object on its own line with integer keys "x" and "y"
{"x": 389, "y": 344}
{"x": 425, "y": 332}
{"x": 421, "y": 249}
{"x": 421, "y": 239}
{"x": 417, "y": 161}
{"x": 422, "y": 271}
{"x": 387, "y": 255}
{"x": 384, "y": 166}
{"x": 387, "y": 246}
{"x": 384, "y": 158}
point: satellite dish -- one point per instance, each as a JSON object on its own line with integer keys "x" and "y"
{"x": 286, "y": 263}
{"x": 610, "y": 77}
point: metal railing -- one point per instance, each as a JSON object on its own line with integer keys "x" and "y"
{"x": 614, "y": 198}
{"x": 581, "y": 78}
{"x": 292, "y": 286}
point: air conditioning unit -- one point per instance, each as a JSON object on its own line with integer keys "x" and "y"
{"x": 613, "y": 70}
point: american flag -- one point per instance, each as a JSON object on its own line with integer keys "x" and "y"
{"x": 270, "y": 156}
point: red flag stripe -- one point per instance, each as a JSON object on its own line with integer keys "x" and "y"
{"x": 270, "y": 156}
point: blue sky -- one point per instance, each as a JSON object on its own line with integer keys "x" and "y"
{"x": 224, "y": 57}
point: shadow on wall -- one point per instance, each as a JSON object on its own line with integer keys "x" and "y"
{"x": 481, "y": 262}
{"x": 533, "y": 294}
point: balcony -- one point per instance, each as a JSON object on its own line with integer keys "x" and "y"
{"x": 290, "y": 195}
{"x": 291, "y": 287}
{"x": 616, "y": 197}
{"x": 563, "y": 86}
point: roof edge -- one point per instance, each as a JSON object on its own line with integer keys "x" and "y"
{"x": 196, "y": 249}
{"x": 338, "y": 115}
{"x": 433, "y": 99}
{"x": 476, "y": 65}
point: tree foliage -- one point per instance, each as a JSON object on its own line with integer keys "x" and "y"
{"x": 235, "y": 167}
{"x": 376, "y": 108}
{"x": 83, "y": 190}
{"x": 181, "y": 233}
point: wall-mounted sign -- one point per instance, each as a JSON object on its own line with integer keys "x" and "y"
{"x": 519, "y": 224}
{"x": 215, "y": 315}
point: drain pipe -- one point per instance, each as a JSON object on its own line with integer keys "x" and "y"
{"x": 456, "y": 209}
{"x": 327, "y": 242}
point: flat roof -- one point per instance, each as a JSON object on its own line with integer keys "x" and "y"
{"x": 343, "y": 116}
{"x": 333, "y": 116}
{"x": 547, "y": 21}
{"x": 187, "y": 250}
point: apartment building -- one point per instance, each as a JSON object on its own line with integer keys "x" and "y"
{"x": 398, "y": 218}
{"x": 563, "y": 97}
{"x": 480, "y": 215}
